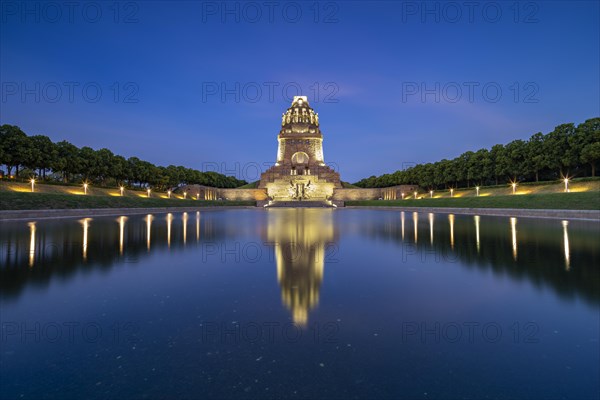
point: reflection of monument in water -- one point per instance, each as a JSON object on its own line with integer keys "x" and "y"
{"x": 300, "y": 238}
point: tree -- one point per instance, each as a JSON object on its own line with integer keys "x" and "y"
{"x": 585, "y": 140}
{"x": 67, "y": 160}
{"x": 16, "y": 145}
{"x": 499, "y": 160}
{"x": 535, "y": 154}
{"x": 591, "y": 154}
{"x": 557, "y": 150}
{"x": 42, "y": 155}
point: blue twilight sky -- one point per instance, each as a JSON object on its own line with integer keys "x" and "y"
{"x": 177, "y": 81}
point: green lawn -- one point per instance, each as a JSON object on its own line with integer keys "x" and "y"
{"x": 564, "y": 201}
{"x": 46, "y": 201}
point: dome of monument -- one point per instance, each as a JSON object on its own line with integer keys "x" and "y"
{"x": 300, "y": 113}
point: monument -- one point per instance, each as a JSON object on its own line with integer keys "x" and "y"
{"x": 300, "y": 172}
{"x": 300, "y": 177}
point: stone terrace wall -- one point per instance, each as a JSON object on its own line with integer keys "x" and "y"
{"x": 243, "y": 194}
{"x": 356, "y": 194}
{"x": 389, "y": 193}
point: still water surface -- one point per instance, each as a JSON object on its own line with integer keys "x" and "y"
{"x": 300, "y": 303}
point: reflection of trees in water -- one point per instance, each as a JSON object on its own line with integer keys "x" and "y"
{"x": 35, "y": 253}
{"x": 549, "y": 253}
{"x": 300, "y": 238}
{"x": 564, "y": 257}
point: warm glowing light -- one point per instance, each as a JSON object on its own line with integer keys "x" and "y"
{"x": 197, "y": 196}
{"x": 148, "y": 230}
{"x": 514, "y": 187}
{"x": 20, "y": 189}
{"x": 402, "y": 194}
{"x": 169, "y": 194}
{"x": 197, "y": 226}
{"x": 31, "y": 244}
{"x": 149, "y": 191}
{"x": 185, "y": 221}
{"x": 431, "y": 194}
{"x": 566, "y": 180}
{"x": 122, "y": 234}
{"x": 86, "y": 225}
{"x": 85, "y": 188}
{"x": 477, "y": 189}
{"x": 402, "y": 219}
{"x": 184, "y": 195}
{"x": 513, "y": 231}
{"x": 477, "y": 218}
{"x": 416, "y": 223}
{"x": 122, "y": 189}
{"x": 32, "y": 185}
{"x": 415, "y": 194}
{"x": 431, "y": 228}
{"x": 566, "y": 245}
{"x": 451, "y": 220}
{"x": 169, "y": 223}
{"x": 451, "y": 192}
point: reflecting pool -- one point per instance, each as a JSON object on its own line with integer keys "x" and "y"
{"x": 300, "y": 303}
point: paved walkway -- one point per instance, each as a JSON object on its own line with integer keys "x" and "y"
{"x": 501, "y": 212}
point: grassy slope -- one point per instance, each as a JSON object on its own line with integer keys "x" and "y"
{"x": 564, "y": 201}
{"x": 585, "y": 194}
{"x": 251, "y": 185}
{"x": 46, "y": 201}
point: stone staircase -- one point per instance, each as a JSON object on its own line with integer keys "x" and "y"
{"x": 297, "y": 204}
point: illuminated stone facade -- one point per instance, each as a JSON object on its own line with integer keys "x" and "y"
{"x": 300, "y": 172}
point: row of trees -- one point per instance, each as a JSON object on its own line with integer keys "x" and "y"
{"x": 566, "y": 151}
{"x": 68, "y": 163}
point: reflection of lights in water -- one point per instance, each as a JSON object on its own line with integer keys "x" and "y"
{"x": 86, "y": 225}
{"x": 402, "y": 219}
{"x": 185, "y": 221}
{"x": 566, "y": 245}
{"x": 169, "y": 223}
{"x": 451, "y": 220}
{"x": 477, "y": 218}
{"x": 197, "y": 226}
{"x": 513, "y": 231}
{"x": 31, "y": 244}
{"x": 431, "y": 227}
{"x": 148, "y": 229}
{"x": 416, "y": 223}
{"x": 121, "y": 234}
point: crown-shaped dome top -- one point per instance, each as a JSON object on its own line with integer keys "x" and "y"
{"x": 300, "y": 113}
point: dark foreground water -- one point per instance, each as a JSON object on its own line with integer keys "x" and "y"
{"x": 303, "y": 303}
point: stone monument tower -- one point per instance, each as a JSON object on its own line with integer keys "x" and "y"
{"x": 300, "y": 172}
